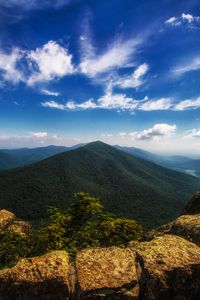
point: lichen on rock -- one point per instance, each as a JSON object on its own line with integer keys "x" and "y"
{"x": 107, "y": 273}
{"x": 43, "y": 277}
{"x": 170, "y": 268}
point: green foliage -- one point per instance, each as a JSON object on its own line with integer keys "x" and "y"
{"x": 85, "y": 224}
{"x": 12, "y": 247}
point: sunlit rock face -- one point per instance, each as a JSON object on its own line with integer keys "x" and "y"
{"x": 5, "y": 217}
{"x": 170, "y": 268}
{"x": 107, "y": 273}
{"x": 44, "y": 277}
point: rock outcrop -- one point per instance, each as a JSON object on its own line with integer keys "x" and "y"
{"x": 186, "y": 226}
{"x": 44, "y": 278}
{"x": 170, "y": 268}
{"x": 193, "y": 206}
{"x": 5, "y": 217}
{"x": 8, "y": 222}
{"x": 107, "y": 273}
{"x": 164, "y": 267}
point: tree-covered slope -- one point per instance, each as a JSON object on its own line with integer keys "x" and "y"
{"x": 129, "y": 186}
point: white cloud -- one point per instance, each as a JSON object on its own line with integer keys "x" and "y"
{"x": 121, "y": 102}
{"x": 117, "y": 55}
{"x": 157, "y": 131}
{"x": 40, "y": 134}
{"x": 193, "y": 133}
{"x": 49, "y": 62}
{"x": 158, "y": 104}
{"x": 33, "y": 4}
{"x": 50, "y": 93}
{"x": 134, "y": 80}
{"x": 107, "y": 135}
{"x": 191, "y": 65}
{"x": 171, "y": 20}
{"x": 188, "y": 104}
{"x": 185, "y": 19}
{"x": 53, "y": 104}
{"x": 8, "y": 66}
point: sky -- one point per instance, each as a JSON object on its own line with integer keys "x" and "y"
{"x": 124, "y": 72}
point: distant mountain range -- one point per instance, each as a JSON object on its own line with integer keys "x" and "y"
{"x": 13, "y": 158}
{"x": 128, "y": 185}
{"x": 21, "y": 157}
{"x": 176, "y": 162}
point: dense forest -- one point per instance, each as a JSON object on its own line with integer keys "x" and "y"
{"x": 129, "y": 186}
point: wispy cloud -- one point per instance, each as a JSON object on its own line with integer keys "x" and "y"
{"x": 134, "y": 80}
{"x": 189, "y": 104}
{"x": 192, "y": 64}
{"x": 117, "y": 55}
{"x": 8, "y": 66}
{"x": 158, "y": 104}
{"x": 184, "y": 20}
{"x": 50, "y": 93}
{"x": 33, "y": 4}
{"x": 193, "y": 133}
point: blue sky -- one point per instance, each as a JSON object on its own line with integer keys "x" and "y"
{"x": 124, "y": 72}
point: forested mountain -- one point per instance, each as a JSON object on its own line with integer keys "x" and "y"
{"x": 128, "y": 186}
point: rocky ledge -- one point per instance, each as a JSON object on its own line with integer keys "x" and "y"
{"x": 165, "y": 268}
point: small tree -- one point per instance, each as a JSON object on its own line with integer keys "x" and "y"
{"x": 85, "y": 224}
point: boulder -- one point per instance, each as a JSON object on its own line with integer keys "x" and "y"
{"x": 193, "y": 206}
{"x": 106, "y": 273}
{"x": 188, "y": 227}
{"x": 19, "y": 226}
{"x": 169, "y": 268}
{"x": 44, "y": 277}
{"x": 5, "y": 217}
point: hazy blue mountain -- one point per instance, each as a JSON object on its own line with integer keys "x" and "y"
{"x": 12, "y": 158}
{"x": 175, "y": 162}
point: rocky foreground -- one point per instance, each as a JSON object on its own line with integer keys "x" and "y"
{"x": 164, "y": 267}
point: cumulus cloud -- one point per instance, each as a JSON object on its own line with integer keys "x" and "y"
{"x": 185, "y": 19}
{"x": 157, "y": 131}
{"x": 117, "y": 55}
{"x": 49, "y": 62}
{"x": 134, "y": 80}
{"x": 8, "y": 66}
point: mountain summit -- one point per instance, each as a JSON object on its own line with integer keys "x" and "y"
{"x": 128, "y": 185}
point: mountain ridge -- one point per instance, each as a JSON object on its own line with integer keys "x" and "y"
{"x": 129, "y": 186}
